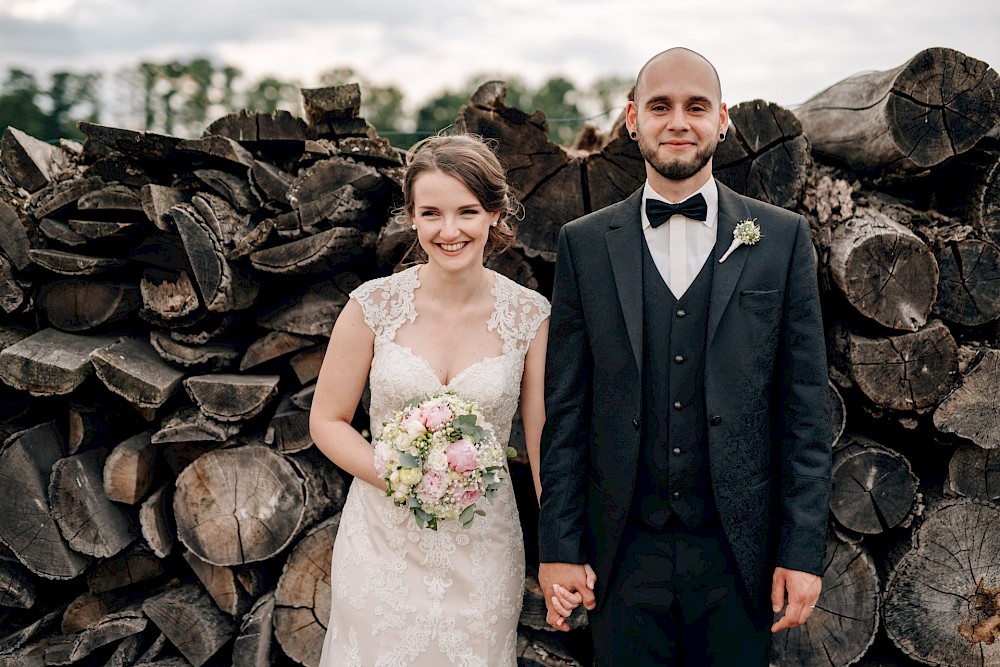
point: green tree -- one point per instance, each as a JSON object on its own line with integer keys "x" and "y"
{"x": 72, "y": 97}
{"x": 19, "y": 103}
{"x": 270, "y": 94}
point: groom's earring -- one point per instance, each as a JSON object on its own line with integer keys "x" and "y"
{"x": 632, "y": 134}
{"x": 722, "y": 136}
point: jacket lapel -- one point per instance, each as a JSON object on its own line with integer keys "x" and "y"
{"x": 625, "y": 248}
{"x": 731, "y": 212}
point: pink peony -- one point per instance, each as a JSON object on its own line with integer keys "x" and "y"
{"x": 462, "y": 455}
{"x": 432, "y": 486}
{"x": 381, "y": 459}
{"x": 435, "y": 416}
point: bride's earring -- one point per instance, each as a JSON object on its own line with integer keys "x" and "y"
{"x": 413, "y": 227}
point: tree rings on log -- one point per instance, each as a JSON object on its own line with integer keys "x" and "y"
{"x": 909, "y": 371}
{"x": 969, "y": 286}
{"x": 78, "y": 305}
{"x": 191, "y": 621}
{"x": 885, "y": 271}
{"x": 941, "y": 599}
{"x": 334, "y": 247}
{"x": 238, "y": 506}
{"x": 846, "y": 617}
{"x": 26, "y": 525}
{"x": 972, "y": 410}
{"x": 765, "y": 155}
{"x": 50, "y": 362}
{"x": 302, "y": 600}
{"x": 71, "y": 264}
{"x": 89, "y": 521}
{"x": 974, "y": 472}
{"x": 938, "y": 104}
{"x": 874, "y": 488}
{"x": 232, "y": 397}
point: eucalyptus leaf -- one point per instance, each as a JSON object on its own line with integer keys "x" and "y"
{"x": 467, "y": 514}
{"x": 408, "y": 460}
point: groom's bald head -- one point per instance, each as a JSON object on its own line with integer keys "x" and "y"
{"x": 681, "y": 57}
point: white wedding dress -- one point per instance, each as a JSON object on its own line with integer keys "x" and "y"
{"x": 404, "y": 595}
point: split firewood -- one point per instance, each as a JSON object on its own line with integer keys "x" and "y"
{"x": 132, "y": 369}
{"x": 191, "y": 621}
{"x": 50, "y": 362}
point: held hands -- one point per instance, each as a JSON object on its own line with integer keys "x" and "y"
{"x": 565, "y": 586}
{"x": 802, "y": 589}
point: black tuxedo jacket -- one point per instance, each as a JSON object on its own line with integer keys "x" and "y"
{"x": 766, "y": 392}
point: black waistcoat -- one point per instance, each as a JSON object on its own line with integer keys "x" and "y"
{"x": 674, "y": 476}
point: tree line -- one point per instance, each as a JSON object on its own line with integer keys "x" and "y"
{"x": 181, "y": 97}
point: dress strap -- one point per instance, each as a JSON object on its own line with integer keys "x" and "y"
{"x": 387, "y": 303}
{"x": 518, "y": 315}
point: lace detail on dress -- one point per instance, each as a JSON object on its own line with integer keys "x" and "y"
{"x": 405, "y": 596}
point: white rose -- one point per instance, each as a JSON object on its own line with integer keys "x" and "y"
{"x": 410, "y": 476}
{"x": 438, "y": 461}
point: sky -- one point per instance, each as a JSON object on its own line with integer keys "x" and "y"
{"x": 781, "y": 51}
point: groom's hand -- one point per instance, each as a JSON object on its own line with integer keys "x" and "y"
{"x": 571, "y": 577}
{"x": 802, "y": 590}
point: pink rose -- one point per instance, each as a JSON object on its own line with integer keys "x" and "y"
{"x": 381, "y": 459}
{"x": 432, "y": 486}
{"x": 435, "y": 416}
{"x": 469, "y": 496}
{"x": 462, "y": 455}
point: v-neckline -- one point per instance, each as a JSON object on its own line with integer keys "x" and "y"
{"x": 413, "y": 291}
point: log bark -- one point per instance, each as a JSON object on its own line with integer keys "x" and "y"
{"x": 13, "y": 294}
{"x": 89, "y": 521}
{"x": 49, "y": 362}
{"x": 140, "y": 146}
{"x": 81, "y": 305}
{"x": 936, "y": 105}
{"x": 238, "y": 506}
{"x": 191, "y": 425}
{"x": 941, "y": 600}
{"x": 846, "y": 617}
{"x": 168, "y": 298}
{"x": 884, "y": 270}
{"x": 132, "y": 369}
{"x": 197, "y": 357}
{"x": 72, "y": 264}
{"x": 971, "y": 410}
{"x": 874, "y": 487}
{"x": 130, "y": 469}
{"x": 967, "y": 288}
{"x": 26, "y": 525}
{"x": 191, "y": 622}
{"x": 302, "y": 599}
{"x": 231, "y": 397}
{"x": 765, "y": 155}
{"x": 911, "y": 371}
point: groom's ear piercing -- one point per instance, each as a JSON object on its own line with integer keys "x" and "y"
{"x": 722, "y": 136}
{"x": 632, "y": 134}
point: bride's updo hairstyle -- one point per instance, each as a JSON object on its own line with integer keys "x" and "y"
{"x": 468, "y": 158}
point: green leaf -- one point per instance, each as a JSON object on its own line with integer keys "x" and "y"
{"x": 467, "y": 514}
{"x": 511, "y": 452}
{"x": 481, "y": 512}
{"x": 412, "y": 501}
{"x": 408, "y": 460}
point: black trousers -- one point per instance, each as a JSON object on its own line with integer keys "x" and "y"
{"x": 676, "y": 598}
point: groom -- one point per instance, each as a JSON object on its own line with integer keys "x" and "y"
{"x": 686, "y": 451}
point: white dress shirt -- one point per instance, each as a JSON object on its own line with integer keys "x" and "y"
{"x": 696, "y": 239}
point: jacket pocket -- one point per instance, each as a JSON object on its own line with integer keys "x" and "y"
{"x": 754, "y": 299}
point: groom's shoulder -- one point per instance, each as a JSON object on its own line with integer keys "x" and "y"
{"x": 765, "y": 210}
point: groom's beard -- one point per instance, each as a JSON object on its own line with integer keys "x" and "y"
{"x": 677, "y": 170}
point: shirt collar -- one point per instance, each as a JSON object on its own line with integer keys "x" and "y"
{"x": 710, "y": 191}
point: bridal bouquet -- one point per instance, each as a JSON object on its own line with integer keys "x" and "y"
{"x": 439, "y": 457}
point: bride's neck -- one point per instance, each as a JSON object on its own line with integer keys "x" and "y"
{"x": 457, "y": 288}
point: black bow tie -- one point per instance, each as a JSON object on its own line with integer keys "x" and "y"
{"x": 693, "y": 207}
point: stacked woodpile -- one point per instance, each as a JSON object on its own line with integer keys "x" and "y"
{"x": 165, "y": 304}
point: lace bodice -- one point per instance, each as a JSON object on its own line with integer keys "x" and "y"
{"x": 398, "y": 374}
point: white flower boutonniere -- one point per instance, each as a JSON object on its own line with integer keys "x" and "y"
{"x": 747, "y": 232}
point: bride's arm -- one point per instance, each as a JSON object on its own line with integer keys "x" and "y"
{"x": 338, "y": 389}
{"x": 533, "y": 400}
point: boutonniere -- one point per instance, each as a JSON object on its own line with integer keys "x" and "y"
{"x": 746, "y": 233}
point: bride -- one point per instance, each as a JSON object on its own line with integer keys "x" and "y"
{"x": 402, "y": 594}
